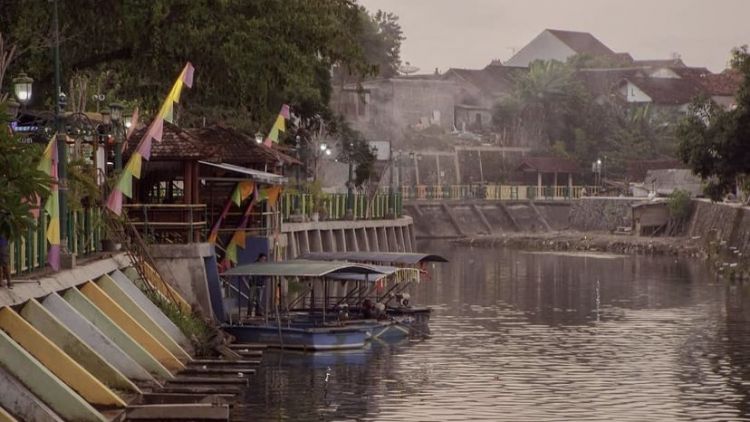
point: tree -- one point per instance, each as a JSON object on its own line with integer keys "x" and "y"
{"x": 714, "y": 142}
{"x": 22, "y": 184}
{"x": 250, "y": 56}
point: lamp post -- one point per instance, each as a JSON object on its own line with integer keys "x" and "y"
{"x": 115, "y": 113}
{"x": 22, "y": 88}
{"x": 62, "y": 147}
{"x": 11, "y": 108}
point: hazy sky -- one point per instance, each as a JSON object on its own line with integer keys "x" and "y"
{"x": 470, "y": 33}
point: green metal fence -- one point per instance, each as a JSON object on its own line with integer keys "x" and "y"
{"x": 333, "y": 206}
{"x": 29, "y": 252}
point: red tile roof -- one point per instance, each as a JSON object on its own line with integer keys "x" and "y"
{"x": 224, "y": 144}
{"x": 493, "y": 80}
{"x": 582, "y": 42}
{"x": 176, "y": 144}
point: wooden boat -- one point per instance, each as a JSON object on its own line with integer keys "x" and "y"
{"x": 304, "y": 323}
{"x": 402, "y": 271}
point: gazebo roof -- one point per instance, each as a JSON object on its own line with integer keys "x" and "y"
{"x": 215, "y": 143}
{"x": 548, "y": 165}
{"x": 229, "y": 145}
{"x": 176, "y": 144}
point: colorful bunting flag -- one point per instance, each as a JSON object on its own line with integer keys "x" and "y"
{"x": 48, "y": 164}
{"x": 124, "y": 185}
{"x": 131, "y": 129}
{"x": 239, "y": 238}
{"x": 242, "y": 191}
{"x": 278, "y": 126}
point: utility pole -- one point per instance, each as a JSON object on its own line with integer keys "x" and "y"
{"x": 62, "y": 147}
{"x": 391, "y": 190}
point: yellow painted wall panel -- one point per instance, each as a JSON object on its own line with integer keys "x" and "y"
{"x": 57, "y": 361}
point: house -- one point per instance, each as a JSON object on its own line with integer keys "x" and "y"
{"x": 553, "y": 44}
{"x": 667, "y": 94}
{"x": 548, "y": 172}
{"x": 664, "y": 182}
{"x": 478, "y": 90}
{"x": 383, "y": 108}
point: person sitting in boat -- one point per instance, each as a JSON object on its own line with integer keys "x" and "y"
{"x": 368, "y": 310}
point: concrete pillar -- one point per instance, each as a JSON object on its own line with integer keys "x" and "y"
{"x": 400, "y": 238}
{"x": 305, "y": 242}
{"x": 101, "y": 321}
{"x": 130, "y": 306}
{"x": 325, "y": 240}
{"x": 372, "y": 235}
{"x": 152, "y": 310}
{"x": 57, "y": 361}
{"x": 407, "y": 236}
{"x": 42, "y": 320}
{"x": 341, "y": 241}
{"x": 383, "y": 239}
{"x": 351, "y": 240}
{"x": 128, "y": 324}
{"x": 554, "y": 183}
{"x": 317, "y": 241}
{"x": 293, "y": 245}
{"x": 362, "y": 242}
{"x": 392, "y": 244}
{"x": 95, "y": 339}
{"x": 21, "y": 402}
{"x": 40, "y": 381}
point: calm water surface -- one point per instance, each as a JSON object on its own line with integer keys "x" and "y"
{"x": 536, "y": 337}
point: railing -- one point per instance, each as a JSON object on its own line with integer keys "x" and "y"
{"x": 29, "y": 252}
{"x": 333, "y": 206}
{"x": 169, "y": 223}
{"x": 490, "y": 192}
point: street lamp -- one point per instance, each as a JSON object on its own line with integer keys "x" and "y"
{"x": 22, "y": 88}
{"x": 258, "y": 138}
{"x": 323, "y": 147}
{"x": 115, "y": 112}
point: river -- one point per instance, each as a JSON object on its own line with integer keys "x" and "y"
{"x": 520, "y": 336}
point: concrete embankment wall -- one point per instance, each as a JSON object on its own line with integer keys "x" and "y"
{"x": 444, "y": 219}
{"x": 84, "y": 345}
{"x": 723, "y": 222}
{"x": 396, "y": 235}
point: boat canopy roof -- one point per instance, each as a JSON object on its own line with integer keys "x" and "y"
{"x": 388, "y": 258}
{"x": 300, "y": 268}
{"x": 384, "y": 272}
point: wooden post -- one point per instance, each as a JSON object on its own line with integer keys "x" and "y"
{"x": 570, "y": 185}
{"x": 538, "y": 184}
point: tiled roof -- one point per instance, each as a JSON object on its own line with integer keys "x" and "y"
{"x": 677, "y": 62}
{"x": 668, "y": 91}
{"x": 493, "y": 79}
{"x": 582, "y": 42}
{"x": 229, "y": 145}
{"x": 603, "y": 81}
{"x": 176, "y": 144}
{"x": 549, "y": 165}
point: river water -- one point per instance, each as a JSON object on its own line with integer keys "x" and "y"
{"x": 535, "y": 337}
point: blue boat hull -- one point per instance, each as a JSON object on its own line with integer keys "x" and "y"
{"x": 320, "y": 338}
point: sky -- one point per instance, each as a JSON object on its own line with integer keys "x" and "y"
{"x": 471, "y": 33}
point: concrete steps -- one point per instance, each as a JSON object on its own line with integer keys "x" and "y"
{"x": 100, "y": 350}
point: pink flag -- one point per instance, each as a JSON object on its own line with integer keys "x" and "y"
{"x": 114, "y": 202}
{"x": 187, "y": 77}
{"x": 157, "y": 129}
{"x": 53, "y": 257}
{"x": 268, "y": 142}
{"x": 285, "y": 111}
{"x": 145, "y": 148}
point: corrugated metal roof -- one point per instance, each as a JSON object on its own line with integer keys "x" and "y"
{"x": 300, "y": 268}
{"x": 255, "y": 175}
{"x": 379, "y": 257}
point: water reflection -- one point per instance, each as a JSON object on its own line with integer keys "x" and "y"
{"x": 521, "y": 336}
